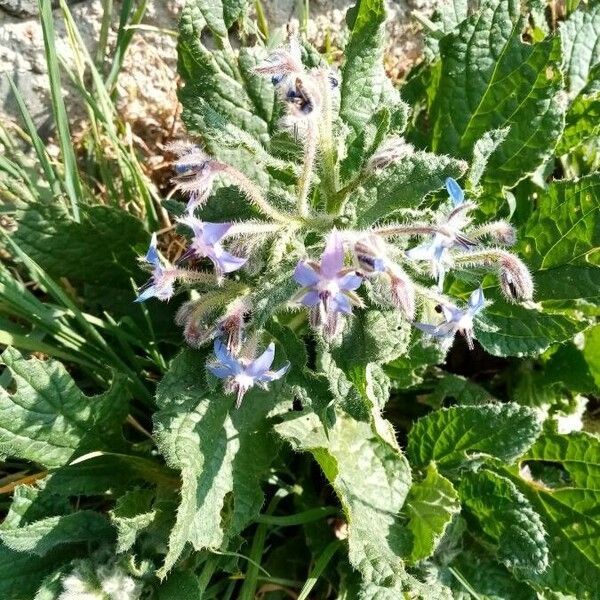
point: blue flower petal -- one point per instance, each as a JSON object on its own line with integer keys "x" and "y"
{"x": 149, "y": 292}
{"x": 332, "y": 259}
{"x": 455, "y": 191}
{"x": 350, "y": 282}
{"x": 221, "y": 371}
{"x": 305, "y": 275}
{"x": 262, "y": 364}
{"x": 152, "y": 254}
{"x": 476, "y": 301}
{"x": 213, "y": 232}
{"x": 226, "y": 358}
{"x": 340, "y": 303}
{"x": 311, "y": 298}
{"x": 227, "y": 263}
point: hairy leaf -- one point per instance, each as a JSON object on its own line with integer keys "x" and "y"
{"x": 569, "y": 510}
{"x": 404, "y": 184}
{"x": 580, "y": 40}
{"x": 48, "y": 420}
{"x": 460, "y": 435}
{"x": 430, "y": 507}
{"x": 132, "y": 514}
{"x": 348, "y": 451}
{"x": 220, "y": 452}
{"x": 40, "y": 537}
{"x": 508, "y": 519}
{"x": 365, "y": 86}
{"x": 490, "y": 79}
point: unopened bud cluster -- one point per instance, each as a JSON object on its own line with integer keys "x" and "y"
{"x": 330, "y": 283}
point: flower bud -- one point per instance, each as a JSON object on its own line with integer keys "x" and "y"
{"x": 515, "y": 280}
{"x": 403, "y": 292}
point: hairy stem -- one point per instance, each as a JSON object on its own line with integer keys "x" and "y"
{"x": 254, "y": 195}
{"x": 310, "y": 152}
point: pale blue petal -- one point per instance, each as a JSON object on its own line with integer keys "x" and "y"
{"x": 225, "y": 357}
{"x": 263, "y": 363}
{"x": 425, "y": 251}
{"x": 340, "y": 303}
{"x": 227, "y": 263}
{"x": 455, "y": 191}
{"x": 311, "y": 298}
{"x": 275, "y": 375}
{"x": 149, "y": 292}
{"x": 476, "y": 301}
{"x": 305, "y": 275}
{"x": 152, "y": 254}
{"x": 221, "y": 371}
{"x": 332, "y": 260}
{"x": 213, "y": 232}
{"x": 350, "y": 282}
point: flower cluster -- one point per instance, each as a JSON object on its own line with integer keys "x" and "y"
{"x": 382, "y": 257}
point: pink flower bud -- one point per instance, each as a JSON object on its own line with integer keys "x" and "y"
{"x": 515, "y": 280}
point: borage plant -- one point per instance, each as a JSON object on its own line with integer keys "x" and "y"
{"x": 335, "y": 240}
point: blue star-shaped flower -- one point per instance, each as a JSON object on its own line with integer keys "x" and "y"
{"x": 436, "y": 250}
{"x": 161, "y": 283}
{"x": 206, "y": 244}
{"x": 457, "y": 320}
{"x": 242, "y": 374}
{"x": 328, "y": 285}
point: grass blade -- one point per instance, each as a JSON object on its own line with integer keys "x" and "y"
{"x": 71, "y": 182}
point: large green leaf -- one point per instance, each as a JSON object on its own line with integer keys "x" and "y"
{"x": 507, "y": 519}
{"x": 569, "y": 510}
{"x": 371, "y": 479}
{"x": 461, "y": 435}
{"x": 365, "y": 86}
{"x": 213, "y": 76}
{"x": 40, "y": 537}
{"x": 430, "y": 507}
{"x": 48, "y": 420}
{"x": 404, "y": 184}
{"x": 580, "y": 40}
{"x": 512, "y": 330}
{"x": 560, "y": 240}
{"x": 490, "y": 79}
{"x": 220, "y": 451}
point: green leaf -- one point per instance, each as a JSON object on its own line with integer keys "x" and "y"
{"x": 591, "y": 352}
{"x": 430, "y": 507}
{"x": 180, "y": 586}
{"x": 220, "y": 451}
{"x": 404, "y": 184}
{"x": 581, "y": 123}
{"x": 460, "y": 389}
{"x": 460, "y": 435}
{"x": 561, "y": 238}
{"x": 409, "y": 370}
{"x": 371, "y": 479}
{"x": 365, "y": 86}
{"x": 580, "y": 40}
{"x": 569, "y": 510}
{"x": 212, "y": 76}
{"x": 482, "y": 151}
{"x": 487, "y": 578}
{"x": 132, "y": 514}
{"x": 507, "y": 519}
{"x": 490, "y": 79}
{"x": 48, "y": 420}
{"x": 44, "y": 229}
{"x": 40, "y": 537}
{"x": 21, "y": 574}
{"x": 513, "y": 330}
